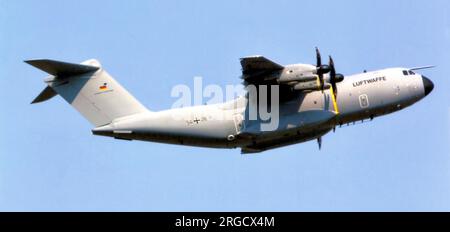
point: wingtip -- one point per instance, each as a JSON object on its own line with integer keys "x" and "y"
{"x": 251, "y": 56}
{"x": 36, "y": 100}
{"x": 34, "y": 62}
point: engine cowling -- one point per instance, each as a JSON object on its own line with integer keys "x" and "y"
{"x": 309, "y": 85}
{"x": 297, "y": 78}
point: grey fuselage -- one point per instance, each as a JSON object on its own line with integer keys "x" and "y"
{"x": 307, "y": 116}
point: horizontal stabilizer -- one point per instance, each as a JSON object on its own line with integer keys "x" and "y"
{"x": 46, "y": 94}
{"x": 61, "y": 69}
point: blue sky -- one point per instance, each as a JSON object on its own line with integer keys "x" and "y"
{"x": 49, "y": 161}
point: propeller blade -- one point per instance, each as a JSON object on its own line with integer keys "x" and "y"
{"x": 319, "y": 71}
{"x": 319, "y": 142}
{"x": 322, "y": 82}
{"x": 318, "y": 58}
{"x": 335, "y": 91}
{"x": 333, "y": 77}
{"x": 332, "y": 69}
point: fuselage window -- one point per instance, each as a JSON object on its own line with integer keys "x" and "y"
{"x": 411, "y": 72}
{"x": 405, "y": 72}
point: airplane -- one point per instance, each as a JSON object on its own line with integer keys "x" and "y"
{"x": 313, "y": 100}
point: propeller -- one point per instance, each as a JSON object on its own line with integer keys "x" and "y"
{"x": 321, "y": 69}
{"x": 334, "y": 77}
{"x": 319, "y": 142}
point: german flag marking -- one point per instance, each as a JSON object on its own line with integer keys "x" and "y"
{"x": 104, "y": 86}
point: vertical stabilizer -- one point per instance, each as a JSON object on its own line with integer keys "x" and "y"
{"x": 89, "y": 89}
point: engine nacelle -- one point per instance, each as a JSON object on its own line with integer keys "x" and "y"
{"x": 285, "y": 78}
{"x": 310, "y": 85}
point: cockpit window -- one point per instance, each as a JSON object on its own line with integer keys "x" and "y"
{"x": 411, "y": 72}
{"x": 405, "y": 72}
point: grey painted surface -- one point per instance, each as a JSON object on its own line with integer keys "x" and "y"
{"x": 304, "y": 116}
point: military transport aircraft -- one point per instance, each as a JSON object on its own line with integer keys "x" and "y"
{"x": 313, "y": 100}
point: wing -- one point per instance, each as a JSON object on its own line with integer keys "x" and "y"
{"x": 258, "y": 70}
{"x": 256, "y": 64}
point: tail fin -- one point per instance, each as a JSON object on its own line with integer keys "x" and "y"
{"x": 88, "y": 88}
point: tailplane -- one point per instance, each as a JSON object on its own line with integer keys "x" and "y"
{"x": 89, "y": 89}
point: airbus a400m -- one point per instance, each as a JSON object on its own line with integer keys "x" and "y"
{"x": 312, "y": 101}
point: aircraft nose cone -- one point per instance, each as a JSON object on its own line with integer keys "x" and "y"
{"x": 427, "y": 84}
